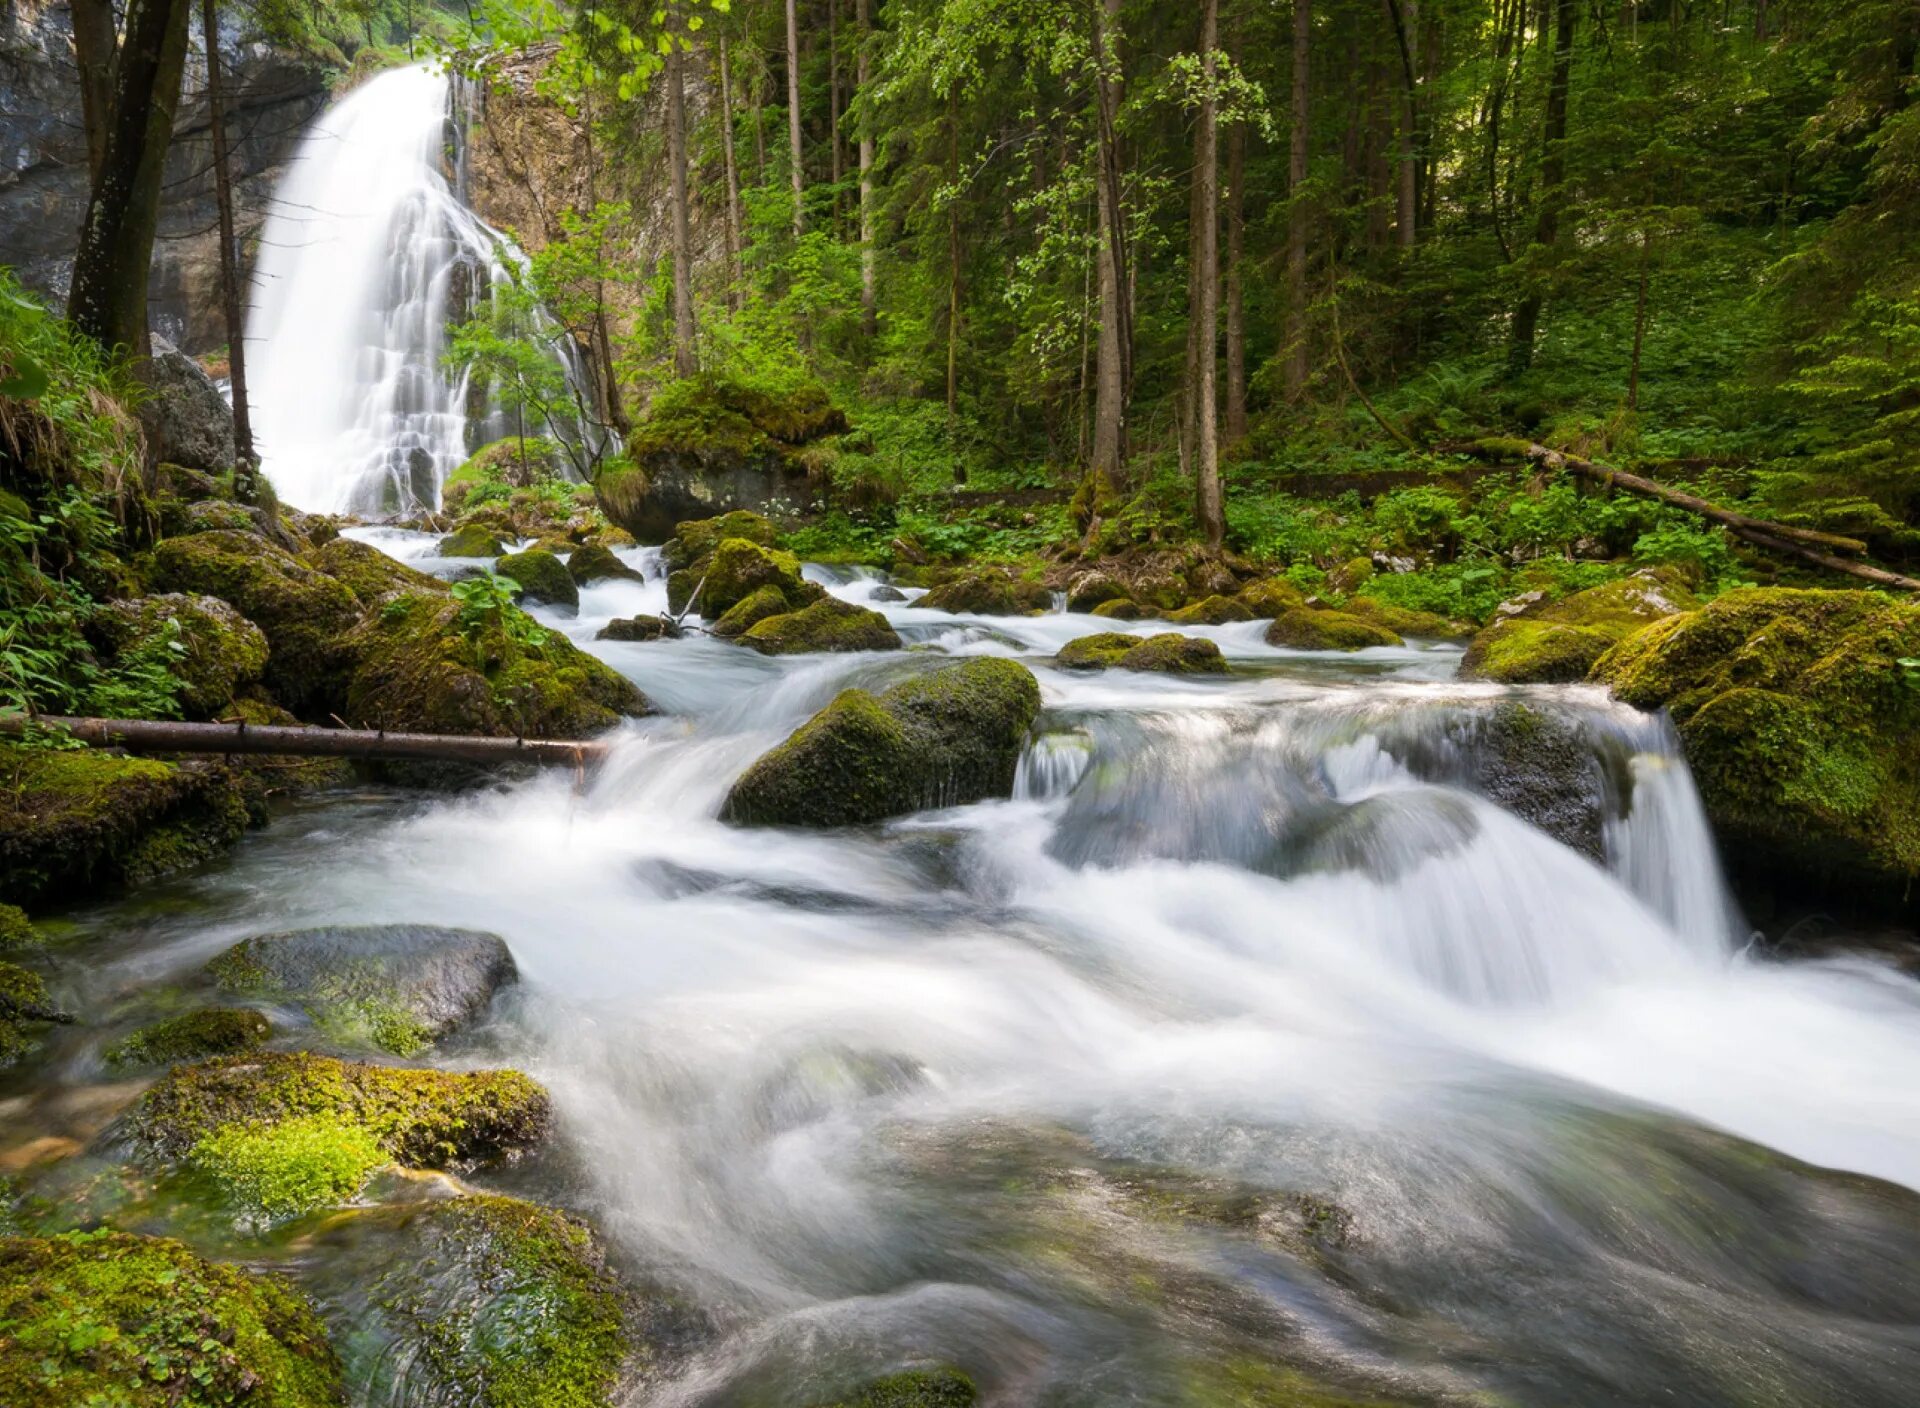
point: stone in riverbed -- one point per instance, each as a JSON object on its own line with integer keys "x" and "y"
{"x": 592, "y": 562}
{"x": 942, "y": 739}
{"x": 1306, "y": 628}
{"x": 400, "y": 987}
{"x": 1166, "y": 653}
{"x": 543, "y": 578}
{"x": 1558, "y": 642}
{"x": 471, "y": 540}
{"x": 988, "y": 594}
{"x": 638, "y": 628}
{"x": 828, "y": 625}
{"x": 1214, "y": 611}
{"x": 917, "y": 1388}
{"x": 194, "y": 1036}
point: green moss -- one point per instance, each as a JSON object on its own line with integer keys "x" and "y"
{"x": 1214, "y": 611}
{"x": 303, "y": 611}
{"x": 1094, "y": 589}
{"x": 988, "y": 594}
{"x": 1124, "y": 610}
{"x": 542, "y": 577}
{"x": 1270, "y": 598}
{"x": 941, "y": 739}
{"x": 1404, "y": 621}
{"x": 594, "y": 562}
{"x": 1166, "y": 653}
{"x": 827, "y": 625}
{"x": 739, "y": 568}
{"x": 354, "y": 1002}
{"x": 423, "y": 1118}
{"x": 24, "y": 996}
{"x": 755, "y": 607}
{"x": 368, "y": 573}
{"x": 1103, "y": 651}
{"x": 103, "y": 1318}
{"x": 711, "y": 416}
{"x": 1239, "y": 1381}
{"x": 419, "y": 672}
{"x": 698, "y": 537}
{"x": 918, "y": 1388}
{"x": 17, "y": 933}
{"x": 504, "y": 462}
{"x": 1560, "y": 641}
{"x": 212, "y": 1031}
{"x": 288, "y": 1168}
{"x": 80, "y": 819}
{"x": 211, "y": 650}
{"x": 1305, "y": 628}
{"x": 472, "y": 540}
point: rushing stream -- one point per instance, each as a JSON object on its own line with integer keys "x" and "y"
{"x": 1247, "y": 1034}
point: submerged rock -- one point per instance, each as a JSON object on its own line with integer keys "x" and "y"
{"x": 142, "y": 1322}
{"x": 1307, "y": 628}
{"x": 194, "y": 1036}
{"x": 1800, "y": 715}
{"x": 543, "y": 578}
{"x": 210, "y": 649}
{"x": 1167, "y": 653}
{"x": 942, "y": 739}
{"x": 25, "y": 1004}
{"x": 829, "y": 624}
{"x": 1558, "y": 642}
{"x": 400, "y": 987}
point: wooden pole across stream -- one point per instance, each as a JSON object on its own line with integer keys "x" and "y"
{"x": 163, "y": 736}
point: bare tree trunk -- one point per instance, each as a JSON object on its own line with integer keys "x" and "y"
{"x": 953, "y": 254}
{"x": 109, "y": 297}
{"x": 1234, "y": 413}
{"x": 869, "y": 256}
{"x": 734, "y": 242}
{"x": 757, "y": 114}
{"x": 1406, "y": 28}
{"x": 94, "y": 43}
{"x": 1553, "y": 173}
{"x": 1639, "y": 323}
{"x": 793, "y": 119}
{"x": 1206, "y": 261}
{"x": 229, "y": 247}
{"x": 1112, "y": 374}
{"x": 685, "y": 362}
{"x": 833, "y": 101}
{"x": 1296, "y": 350}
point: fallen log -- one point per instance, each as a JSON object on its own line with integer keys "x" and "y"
{"x": 163, "y": 736}
{"x": 1806, "y": 543}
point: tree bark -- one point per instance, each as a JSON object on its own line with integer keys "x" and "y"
{"x": 165, "y": 736}
{"x": 109, "y": 298}
{"x": 1406, "y": 28}
{"x": 734, "y": 241}
{"x": 1206, "y": 262}
{"x": 793, "y": 119}
{"x": 1113, "y": 354}
{"x": 94, "y": 44}
{"x": 685, "y": 362}
{"x": 1234, "y": 413}
{"x": 833, "y": 102}
{"x": 1639, "y": 322}
{"x": 869, "y": 256}
{"x": 1296, "y": 350}
{"x": 953, "y": 254}
{"x": 229, "y": 245}
{"x": 1553, "y": 173}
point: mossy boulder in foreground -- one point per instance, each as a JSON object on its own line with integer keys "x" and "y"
{"x": 1800, "y": 715}
{"x": 829, "y": 624}
{"x": 1309, "y": 628}
{"x": 941, "y": 739}
{"x": 400, "y": 987}
{"x": 210, "y": 649}
{"x": 371, "y": 574}
{"x": 491, "y": 1301}
{"x": 193, "y": 1036}
{"x": 1167, "y": 653}
{"x": 1558, "y": 642}
{"x": 141, "y": 1322}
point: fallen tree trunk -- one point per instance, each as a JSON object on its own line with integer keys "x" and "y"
{"x": 162, "y": 736}
{"x": 1805, "y": 543}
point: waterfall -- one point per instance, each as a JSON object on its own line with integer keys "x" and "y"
{"x": 368, "y": 256}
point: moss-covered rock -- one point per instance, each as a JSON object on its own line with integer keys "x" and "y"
{"x": 639, "y": 628}
{"x": 25, "y": 1008}
{"x": 370, "y": 574}
{"x": 1800, "y": 715}
{"x": 79, "y": 820}
{"x": 942, "y": 739}
{"x": 1557, "y": 642}
{"x": 697, "y": 538}
{"x": 1307, "y": 628}
{"x": 736, "y": 570}
{"x": 543, "y": 578}
{"x": 744, "y": 615}
{"x": 1351, "y": 575}
{"x": 1272, "y": 598}
{"x": 472, "y": 540}
{"x": 192, "y": 1036}
{"x": 513, "y": 461}
{"x": 917, "y": 1388}
{"x": 988, "y": 594}
{"x": 304, "y": 612}
{"x": 17, "y": 934}
{"x": 421, "y": 1118}
{"x": 1166, "y": 653}
{"x": 210, "y": 649}
{"x": 828, "y": 625}
{"x": 101, "y": 1318}
{"x": 422, "y": 670}
{"x": 1403, "y": 621}
{"x": 491, "y": 1301}
{"x": 400, "y": 987}
{"x": 1125, "y": 610}
{"x": 592, "y": 562}
{"x": 1093, "y": 589}
{"x": 1213, "y": 611}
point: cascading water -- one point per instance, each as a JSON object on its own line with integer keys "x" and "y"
{"x": 367, "y": 258}
{"x": 1259, "y": 1030}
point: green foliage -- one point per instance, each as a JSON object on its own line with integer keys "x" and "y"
{"x": 288, "y": 1168}
{"x": 488, "y": 603}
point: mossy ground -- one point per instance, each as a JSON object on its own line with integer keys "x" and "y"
{"x": 107, "y": 1320}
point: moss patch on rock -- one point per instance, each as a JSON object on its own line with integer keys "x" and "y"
{"x": 735, "y": 571}
{"x": 1558, "y": 642}
{"x": 192, "y": 1036}
{"x": 638, "y": 628}
{"x": 1213, "y": 611}
{"x": 1800, "y": 715}
{"x": 1307, "y": 628}
{"x": 210, "y": 649}
{"x": 1403, "y": 621}
{"x": 1167, "y": 653}
{"x": 988, "y": 594}
{"x": 542, "y": 577}
{"x": 288, "y": 1168}
{"x": 141, "y": 1322}
{"x": 472, "y": 540}
{"x": 421, "y": 1118}
{"x": 917, "y": 1388}
{"x": 369, "y": 573}
{"x": 697, "y": 538}
{"x": 745, "y": 614}
{"x": 942, "y": 739}
{"x": 593, "y": 562}
{"x": 1271, "y": 598}
{"x": 829, "y": 624}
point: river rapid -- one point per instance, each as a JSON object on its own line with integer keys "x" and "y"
{"x": 1247, "y": 1053}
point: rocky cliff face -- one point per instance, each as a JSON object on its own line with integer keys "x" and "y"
{"x": 43, "y": 163}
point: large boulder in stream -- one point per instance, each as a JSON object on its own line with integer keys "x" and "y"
{"x": 1167, "y": 653}
{"x": 988, "y": 594}
{"x": 543, "y": 578}
{"x": 736, "y": 569}
{"x": 400, "y": 987}
{"x": 1536, "y": 641}
{"x": 829, "y": 624}
{"x": 1800, "y": 715}
{"x": 144, "y": 1322}
{"x": 941, "y": 739}
{"x": 1311, "y": 628}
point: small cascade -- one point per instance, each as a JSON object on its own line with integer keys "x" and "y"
{"x": 368, "y": 257}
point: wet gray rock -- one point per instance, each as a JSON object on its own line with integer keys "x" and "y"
{"x": 636, "y": 628}
{"x": 886, "y": 592}
{"x": 400, "y": 987}
{"x": 186, "y": 418}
